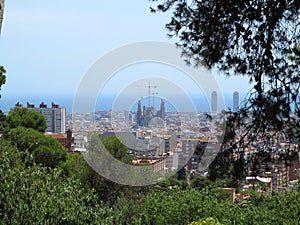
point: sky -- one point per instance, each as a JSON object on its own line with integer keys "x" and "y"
{"x": 47, "y": 47}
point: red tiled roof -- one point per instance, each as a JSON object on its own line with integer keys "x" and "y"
{"x": 56, "y": 136}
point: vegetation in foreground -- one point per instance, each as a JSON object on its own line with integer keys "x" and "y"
{"x": 42, "y": 184}
{"x": 35, "y": 190}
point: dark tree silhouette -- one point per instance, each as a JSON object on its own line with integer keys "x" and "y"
{"x": 2, "y": 76}
{"x": 249, "y": 38}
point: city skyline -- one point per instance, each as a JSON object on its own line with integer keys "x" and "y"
{"x": 149, "y": 112}
{"x": 201, "y": 102}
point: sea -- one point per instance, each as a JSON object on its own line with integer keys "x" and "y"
{"x": 108, "y": 102}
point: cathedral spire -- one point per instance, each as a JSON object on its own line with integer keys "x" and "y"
{"x": 139, "y": 115}
{"x": 162, "y": 109}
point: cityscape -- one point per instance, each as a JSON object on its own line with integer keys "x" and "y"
{"x": 155, "y": 112}
{"x": 168, "y": 140}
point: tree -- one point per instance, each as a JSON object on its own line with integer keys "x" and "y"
{"x": 49, "y": 156}
{"x": 171, "y": 207}
{"x": 27, "y": 118}
{"x": 38, "y": 195}
{"x": 76, "y": 166}
{"x": 4, "y": 126}
{"x": 249, "y": 38}
{"x": 25, "y": 139}
{"x": 207, "y": 221}
{"x": 296, "y": 54}
{"x": 118, "y": 149}
{"x": 181, "y": 174}
{"x": 107, "y": 190}
{"x": 2, "y": 76}
{"x": 45, "y": 150}
{"x": 227, "y": 168}
{"x": 201, "y": 182}
{"x": 183, "y": 207}
{"x": 3, "y": 123}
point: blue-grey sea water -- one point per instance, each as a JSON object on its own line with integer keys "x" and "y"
{"x": 106, "y": 102}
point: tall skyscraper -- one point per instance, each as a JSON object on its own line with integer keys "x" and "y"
{"x": 139, "y": 115}
{"x": 55, "y": 117}
{"x": 214, "y": 101}
{"x": 1, "y": 13}
{"x": 236, "y": 102}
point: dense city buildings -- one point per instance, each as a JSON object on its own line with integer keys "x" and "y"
{"x": 186, "y": 140}
{"x": 164, "y": 139}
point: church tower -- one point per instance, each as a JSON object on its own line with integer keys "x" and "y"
{"x": 162, "y": 109}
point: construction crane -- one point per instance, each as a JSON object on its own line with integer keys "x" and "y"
{"x": 149, "y": 86}
{"x": 153, "y": 98}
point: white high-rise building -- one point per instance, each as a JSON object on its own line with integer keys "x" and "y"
{"x": 55, "y": 117}
{"x": 214, "y": 101}
{"x": 236, "y": 102}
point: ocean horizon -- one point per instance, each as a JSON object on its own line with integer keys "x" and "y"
{"x": 201, "y": 103}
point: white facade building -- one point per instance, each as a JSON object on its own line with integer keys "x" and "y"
{"x": 236, "y": 101}
{"x": 55, "y": 117}
{"x": 214, "y": 101}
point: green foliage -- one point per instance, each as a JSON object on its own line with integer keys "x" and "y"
{"x": 183, "y": 207}
{"x": 108, "y": 190}
{"x": 118, "y": 149}
{"x": 181, "y": 174}
{"x": 201, "y": 182}
{"x": 39, "y": 195}
{"x": 240, "y": 36}
{"x": 296, "y": 54}
{"x": 221, "y": 194}
{"x": 247, "y": 38}
{"x": 9, "y": 156}
{"x": 76, "y": 166}
{"x": 207, "y": 221}
{"x": 226, "y": 170}
{"x": 173, "y": 207}
{"x": 26, "y": 139}
{"x": 2, "y": 76}
{"x": 48, "y": 156}
{"x": 27, "y": 118}
{"x": 4, "y": 126}
{"x": 45, "y": 150}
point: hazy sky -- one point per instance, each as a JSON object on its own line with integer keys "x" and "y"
{"x": 47, "y": 46}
